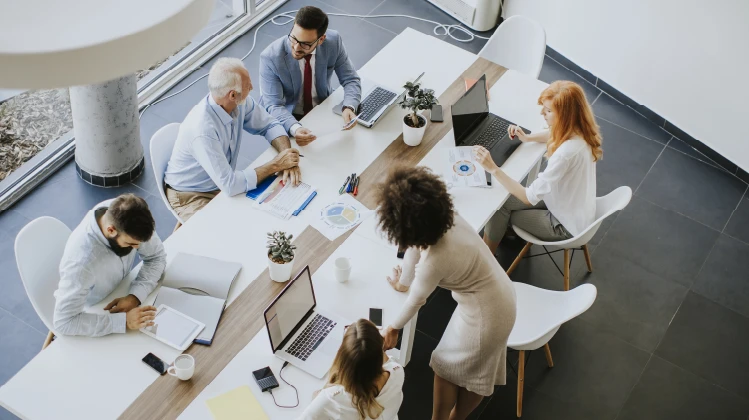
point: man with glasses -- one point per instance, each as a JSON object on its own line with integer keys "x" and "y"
{"x": 296, "y": 73}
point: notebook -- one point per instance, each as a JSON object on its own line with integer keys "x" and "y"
{"x": 238, "y": 404}
{"x": 198, "y": 287}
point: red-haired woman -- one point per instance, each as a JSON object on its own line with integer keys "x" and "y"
{"x": 561, "y": 202}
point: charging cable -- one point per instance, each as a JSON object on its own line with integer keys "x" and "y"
{"x": 280, "y": 374}
{"x": 440, "y": 29}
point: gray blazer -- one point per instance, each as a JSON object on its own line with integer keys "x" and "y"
{"x": 281, "y": 79}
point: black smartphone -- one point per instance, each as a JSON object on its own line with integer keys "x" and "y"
{"x": 436, "y": 114}
{"x": 401, "y": 253}
{"x": 157, "y": 364}
{"x": 265, "y": 379}
{"x": 375, "y": 315}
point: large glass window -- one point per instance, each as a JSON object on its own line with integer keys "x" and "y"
{"x": 35, "y": 126}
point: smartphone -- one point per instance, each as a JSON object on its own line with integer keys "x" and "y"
{"x": 375, "y": 315}
{"x": 157, "y": 364}
{"x": 401, "y": 253}
{"x": 436, "y": 114}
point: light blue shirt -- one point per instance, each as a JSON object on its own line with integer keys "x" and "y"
{"x": 90, "y": 270}
{"x": 205, "y": 154}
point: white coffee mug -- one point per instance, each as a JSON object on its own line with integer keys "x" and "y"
{"x": 183, "y": 367}
{"x": 342, "y": 269}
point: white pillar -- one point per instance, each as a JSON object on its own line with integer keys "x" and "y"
{"x": 108, "y": 151}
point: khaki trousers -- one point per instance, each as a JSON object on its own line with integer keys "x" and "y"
{"x": 187, "y": 203}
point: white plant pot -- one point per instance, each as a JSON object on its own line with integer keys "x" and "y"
{"x": 280, "y": 272}
{"x": 413, "y": 136}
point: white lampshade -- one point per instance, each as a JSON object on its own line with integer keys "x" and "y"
{"x": 59, "y": 43}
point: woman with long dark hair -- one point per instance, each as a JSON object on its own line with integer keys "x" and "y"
{"x": 363, "y": 383}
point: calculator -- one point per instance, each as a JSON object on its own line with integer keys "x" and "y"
{"x": 265, "y": 379}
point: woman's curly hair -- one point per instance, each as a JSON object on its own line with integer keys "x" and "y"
{"x": 414, "y": 207}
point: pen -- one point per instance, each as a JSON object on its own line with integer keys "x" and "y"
{"x": 350, "y": 187}
{"x": 301, "y": 155}
{"x": 356, "y": 186}
{"x": 344, "y": 185}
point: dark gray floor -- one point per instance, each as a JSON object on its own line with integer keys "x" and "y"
{"x": 667, "y": 336}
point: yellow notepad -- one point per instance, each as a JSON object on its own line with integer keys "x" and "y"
{"x": 238, "y": 404}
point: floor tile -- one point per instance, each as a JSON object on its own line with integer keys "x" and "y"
{"x": 538, "y": 405}
{"x": 165, "y": 221}
{"x": 26, "y": 343}
{"x": 591, "y": 368}
{"x": 667, "y": 392}
{"x": 662, "y": 242}
{"x": 78, "y": 198}
{"x": 723, "y": 278}
{"x": 417, "y": 388}
{"x": 738, "y": 226}
{"x": 692, "y": 188}
{"x": 176, "y": 108}
{"x": 13, "y": 298}
{"x": 679, "y": 145}
{"x": 553, "y": 71}
{"x": 710, "y": 341}
{"x": 11, "y": 222}
{"x": 354, "y": 7}
{"x": 609, "y": 109}
{"x": 627, "y": 158}
{"x": 150, "y": 123}
{"x": 424, "y": 10}
{"x": 436, "y": 314}
{"x": 632, "y": 303}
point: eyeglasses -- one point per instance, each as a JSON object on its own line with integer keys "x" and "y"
{"x": 306, "y": 46}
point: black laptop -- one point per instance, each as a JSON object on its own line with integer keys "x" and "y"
{"x": 473, "y": 124}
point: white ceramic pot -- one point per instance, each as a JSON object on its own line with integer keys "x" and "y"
{"x": 413, "y": 136}
{"x": 280, "y": 272}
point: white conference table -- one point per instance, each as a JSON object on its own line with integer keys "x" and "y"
{"x": 95, "y": 378}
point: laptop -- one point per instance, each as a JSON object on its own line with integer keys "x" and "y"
{"x": 378, "y": 101}
{"x": 300, "y": 333}
{"x": 473, "y": 124}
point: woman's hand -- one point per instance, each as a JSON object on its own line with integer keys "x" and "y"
{"x": 515, "y": 131}
{"x": 395, "y": 279}
{"x": 391, "y": 338}
{"x": 484, "y": 158}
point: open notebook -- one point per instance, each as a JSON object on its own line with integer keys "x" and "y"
{"x": 198, "y": 287}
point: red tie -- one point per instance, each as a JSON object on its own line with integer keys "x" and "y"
{"x": 307, "y": 85}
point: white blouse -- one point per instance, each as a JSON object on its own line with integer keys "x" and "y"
{"x": 568, "y": 186}
{"x": 334, "y": 403}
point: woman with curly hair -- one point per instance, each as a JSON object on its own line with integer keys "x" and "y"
{"x": 364, "y": 383}
{"x": 561, "y": 202}
{"x": 442, "y": 249}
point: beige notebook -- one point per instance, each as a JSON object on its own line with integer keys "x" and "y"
{"x": 238, "y": 404}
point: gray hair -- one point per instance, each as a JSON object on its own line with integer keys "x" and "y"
{"x": 224, "y": 77}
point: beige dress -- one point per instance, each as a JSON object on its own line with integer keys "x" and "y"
{"x": 473, "y": 349}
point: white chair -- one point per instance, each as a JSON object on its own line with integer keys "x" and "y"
{"x": 540, "y": 313}
{"x": 162, "y": 144}
{"x": 39, "y": 247}
{"x": 519, "y": 44}
{"x": 605, "y": 206}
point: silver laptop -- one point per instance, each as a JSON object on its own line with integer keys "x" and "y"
{"x": 378, "y": 101}
{"x": 300, "y": 333}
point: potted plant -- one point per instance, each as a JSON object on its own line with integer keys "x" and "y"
{"x": 280, "y": 256}
{"x": 414, "y": 124}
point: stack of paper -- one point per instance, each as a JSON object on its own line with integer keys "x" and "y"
{"x": 461, "y": 168}
{"x": 238, "y": 404}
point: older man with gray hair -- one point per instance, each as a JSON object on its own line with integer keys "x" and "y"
{"x": 204, "y": 158}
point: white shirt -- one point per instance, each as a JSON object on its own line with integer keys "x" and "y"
{"x": 334, "y": 402}
{"x": 299, "y": 108}
{"x": 568, "y": 186}
{"x": 90, "y": 271}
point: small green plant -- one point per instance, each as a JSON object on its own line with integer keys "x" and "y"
{"x": 417, "y": 99}
{"x": 280, "y": 249}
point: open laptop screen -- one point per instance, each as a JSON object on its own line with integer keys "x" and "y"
{"x": 470, "y": 110}
{"x": 289, "y": 309}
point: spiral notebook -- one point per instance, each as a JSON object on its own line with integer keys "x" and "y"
{"x": 198, "y": 287}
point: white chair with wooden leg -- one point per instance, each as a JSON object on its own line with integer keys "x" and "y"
{"x": 39, "y": 247}
{"x": 519, "y": 44}
{"x": 540, "y": 313}
{"x": 605, "y": 206}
